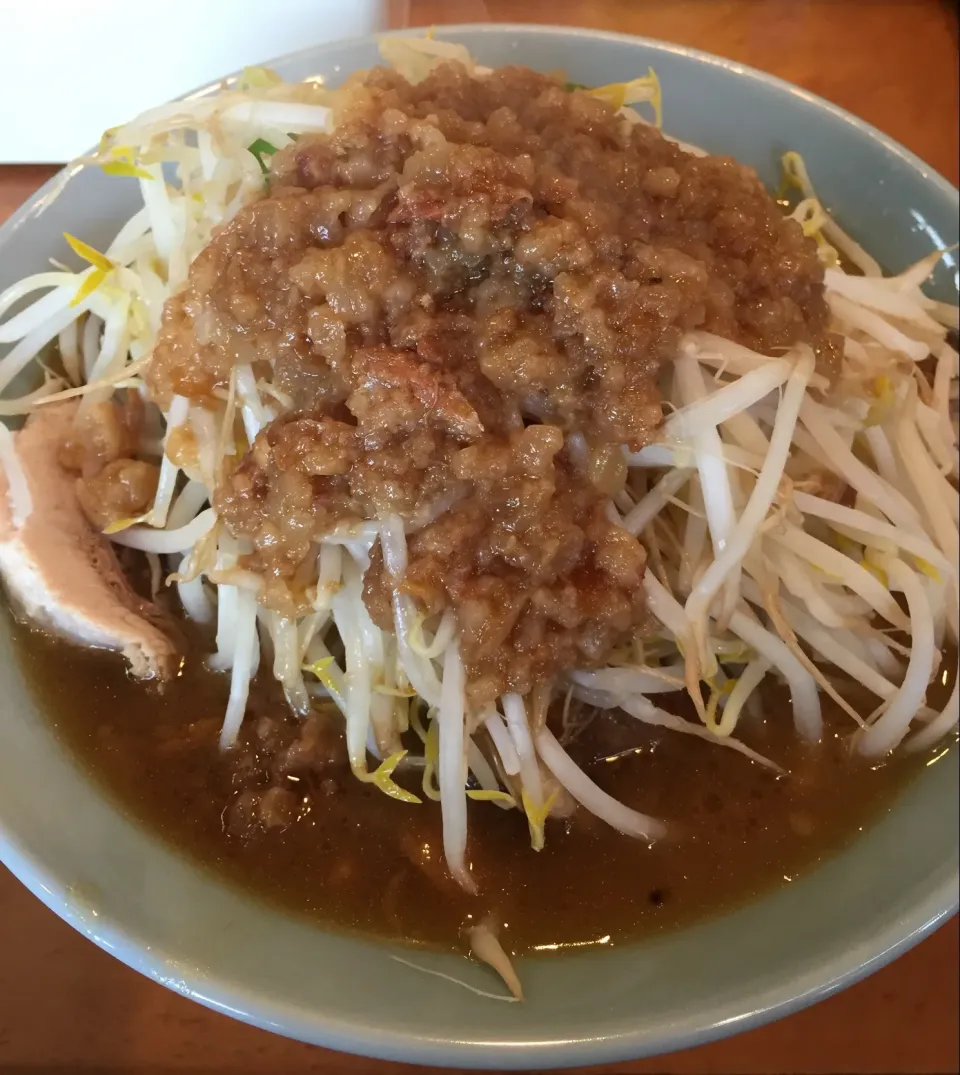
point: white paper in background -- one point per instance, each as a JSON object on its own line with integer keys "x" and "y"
{"x": 71, "y": 68}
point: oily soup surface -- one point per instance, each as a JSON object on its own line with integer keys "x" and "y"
{"x": 351, "y": 858}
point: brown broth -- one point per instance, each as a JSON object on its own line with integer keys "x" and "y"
{"x": 350, "y": 859}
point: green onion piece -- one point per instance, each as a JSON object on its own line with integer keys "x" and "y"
{"x": 262, "y": 148}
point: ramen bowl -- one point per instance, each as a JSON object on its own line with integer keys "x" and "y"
{"x": 170, "y": 919}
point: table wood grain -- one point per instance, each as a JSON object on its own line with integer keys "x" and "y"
{"x": 65, "y": 1006}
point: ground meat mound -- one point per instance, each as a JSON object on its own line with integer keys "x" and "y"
{"x": 465, "y": 275}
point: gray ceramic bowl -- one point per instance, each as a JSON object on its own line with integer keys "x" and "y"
{"x": 141, "y": 901}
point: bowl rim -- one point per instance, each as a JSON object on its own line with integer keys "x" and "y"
{"x": 361, "y": 1036}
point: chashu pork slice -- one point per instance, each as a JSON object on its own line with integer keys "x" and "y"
{"x": 60, "y": 571}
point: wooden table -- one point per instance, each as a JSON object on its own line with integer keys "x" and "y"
{"x": 66, "y": 1006}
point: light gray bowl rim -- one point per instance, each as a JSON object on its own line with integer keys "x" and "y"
{"x": 364, "y": 1037}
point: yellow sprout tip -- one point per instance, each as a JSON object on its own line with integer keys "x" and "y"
{"x": 926, "y": 568}
{"x": 88, "y": 253}
{"x": 122, "y": 524}
{"x": 485, "y": 796}
{"x": 124, "y": 168}
{"x": 536, "y": 818}
{"x": 89, "y": 285}
{"x": 319, "y": 669}
{"x": 394, "y": 692}
{"x": 258, "y": 78}
{"x": 382, "y": 778}
{"x": 877, "y": 572}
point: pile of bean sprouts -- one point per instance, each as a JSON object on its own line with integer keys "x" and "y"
{"x": 797, "y": 530}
